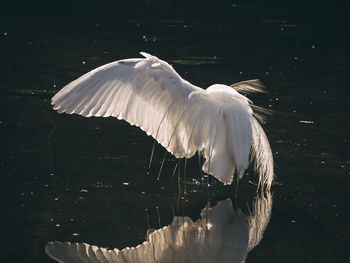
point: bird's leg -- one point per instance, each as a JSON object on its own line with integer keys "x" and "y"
{"x": 236, "y": 192}
{"x": 178, "y": 202}
{"x": 237, "y": 183}
{"x": 147, "y": 218}
{"x": 184, "y": 196}
{"x": 178, "y": 177}
{"x": 199, "y": 164}
{"x": 185, "y": 166}
{"x": 158, "y": 215}
{"x": 172, "y": 209}
{"x": 209, "y": 176}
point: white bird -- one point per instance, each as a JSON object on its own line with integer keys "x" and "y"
{"x": 147, "y": 92}
{"x": 221, "y": 234}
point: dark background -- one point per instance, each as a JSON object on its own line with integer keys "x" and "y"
{"x": 64, "y": 174}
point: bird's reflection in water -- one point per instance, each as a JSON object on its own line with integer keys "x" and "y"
{"x": 222, "y": 234}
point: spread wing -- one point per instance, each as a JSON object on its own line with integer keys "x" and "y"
{"x": 146, "y": 92}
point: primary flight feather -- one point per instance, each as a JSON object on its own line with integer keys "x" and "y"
{"x": 147, "y": 92}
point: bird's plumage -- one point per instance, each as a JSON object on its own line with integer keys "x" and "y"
{"x": 147, "y": 92}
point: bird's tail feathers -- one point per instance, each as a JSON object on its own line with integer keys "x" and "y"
{"x": 261, "y": 155}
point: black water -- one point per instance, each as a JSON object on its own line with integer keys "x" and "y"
{"x": 69, "y": 178}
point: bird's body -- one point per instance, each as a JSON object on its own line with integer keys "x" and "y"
{"x": 147, "y": 92}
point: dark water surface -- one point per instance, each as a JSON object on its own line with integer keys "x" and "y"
{"x": 70, "y": 178}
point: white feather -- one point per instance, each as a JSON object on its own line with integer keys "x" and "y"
{"x": 262, "y": 156}
{"x": 148, "y": 93}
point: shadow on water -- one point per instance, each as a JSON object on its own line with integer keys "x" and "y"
{"x": 221, "y": 234}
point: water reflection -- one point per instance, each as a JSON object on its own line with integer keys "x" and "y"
{"x": 222, "y": 234}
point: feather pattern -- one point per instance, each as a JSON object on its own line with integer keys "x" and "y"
{"x": 249, "y": 86}
{"x": 148, "y": 93}
{"x": 261, "y": 155}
